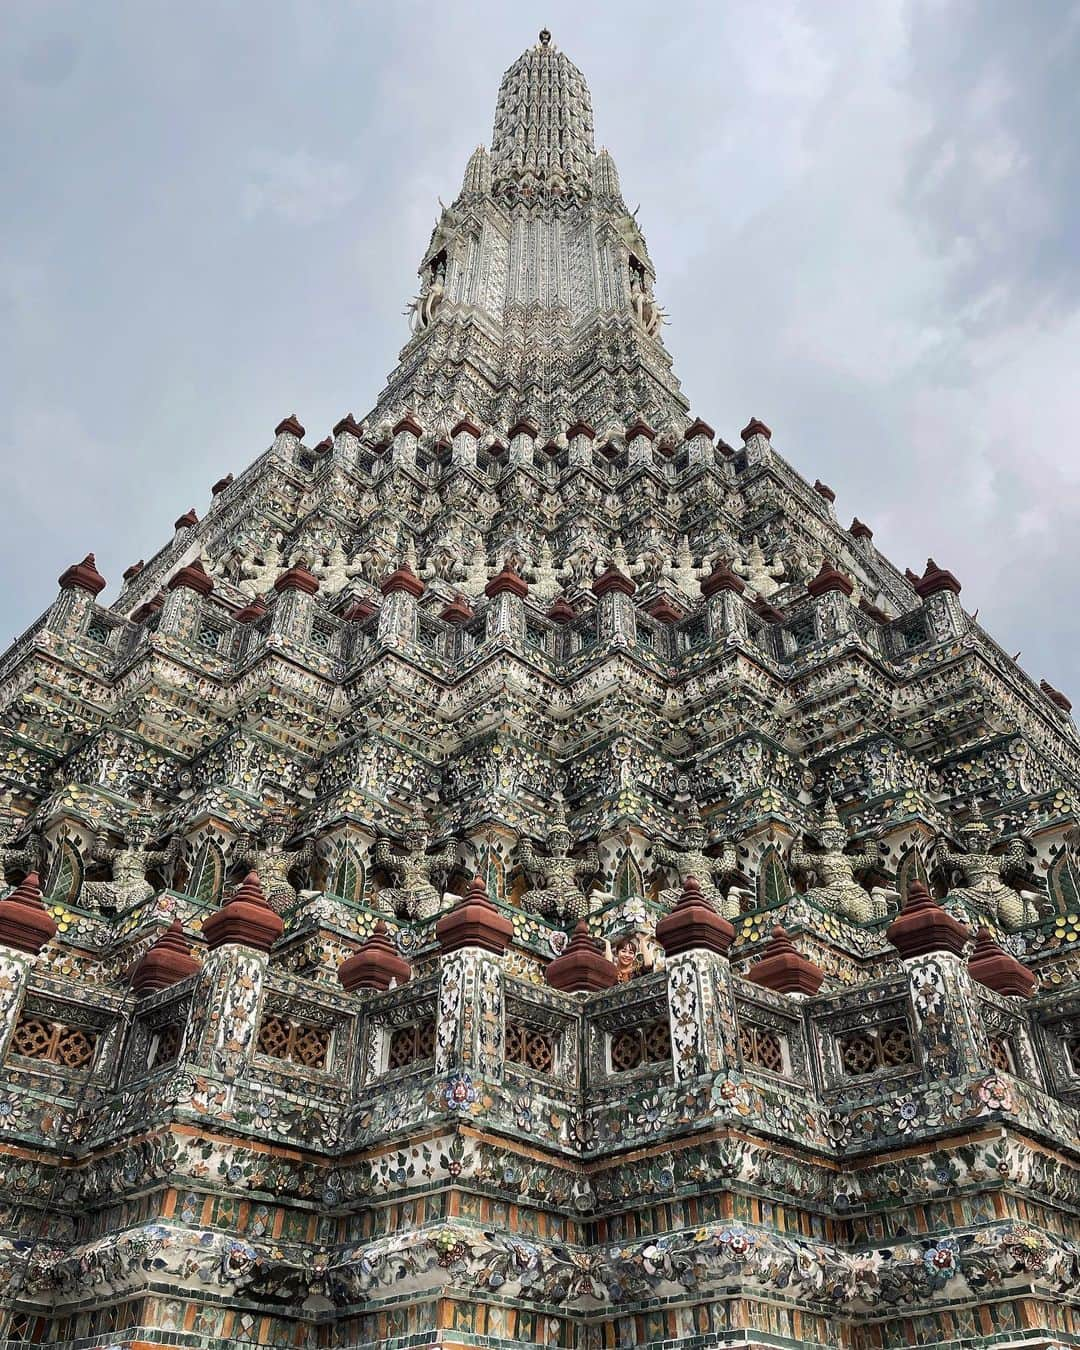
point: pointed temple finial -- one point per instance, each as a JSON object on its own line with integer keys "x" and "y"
{"x": 583, "y": 967}
{"x": 387, "y": 653}
{"x": 377, "y": 965}
{"x": 245, "y": 919}
{"x": 167, "y": 961}
{"x": 25, "y": 924}
{"x": 474, "y": 922}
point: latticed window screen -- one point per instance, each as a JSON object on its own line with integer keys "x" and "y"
{"x": 1001, "y": 1054}
{"x": 39, "y": 1038}
{"x": 1072, "y": 1049}
{"x": 321, "y": 636}
{"x": 530, "y": 1046}
{"x": 634, "y": 1046}
{"x": 165, "y": 1046}
{"x": 299, "y": 1042}
{"x": 209, "y": 636}
{"x": 762, "y": 1047}
{"x": 887, "y": 1047}
{"x": 411, "y": 1045}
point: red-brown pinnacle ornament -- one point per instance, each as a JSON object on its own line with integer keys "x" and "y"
{"x": 829, "y": 579}
{"x": 698, "y": 428}
{"x": 410, "y": 424}
{"x": 755, "y": 427}
{"x": 665, "y": 611}
{"x": 922, "y": 926}
{"x": 167, "y": 961}
{"x": 83, "y": 576}
{"x": 221, "y": 484}
{"x": 290, "y": 426}
{"x": 193, "y": 577}
{"x": 457, "y": 611}
{"x": 507, "y": 582}
{"x": 613, "y": 580}
{"x": 466, "y": 427}
{"x": 403, "y": 579}
{"x": 784, "y": 968}
{"x": 347, "y": 426}
{"x": 186, "y": 521}
{"x": 152, "y": 606}
{"x": 25, "y": 923}
{"x": 562, "y": 611}
{"x": 297, "y": 578}
{"x": 580, "y": 429}
{"x": 639, "y": 428}
{"x": 858, "y": 530}
{"x": 1055, "y": 696}
{"x": 764, "y": 610}
{"x": 377, "y": 964}
{"x": 523, "y": 427}
{"x": 583, "y": 967}
{"x": 997, "y": 969}
{"x": 824, "y": 490}
{"x": 254, "y": 609}
{"x": 474, "y": 922}
{"x": 722, "y": 578}
{"x": 358, "y": 611}
{"x": 245, "y": 918}
{"x": 133, "y": 570}
{"x": 693, "y": 925}
{"x": 935, "y": 579}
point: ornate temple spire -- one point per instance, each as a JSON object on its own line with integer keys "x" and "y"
{"x": 477, "y": 172}
{"x": 543, "y": 121}
{"x": 536, "y": 288}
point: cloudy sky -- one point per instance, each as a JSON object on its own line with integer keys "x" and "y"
{"x": 863, "y": 215}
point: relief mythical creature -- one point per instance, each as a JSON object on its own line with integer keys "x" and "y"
{"x": 267, "y": 855}
{"x": 692, "y": 861}
{"x": 130, "y": 863}
{"x": 833, "y": 870}
{"x": 983, "y": 874}
{"x": 415, "y": 897}
{"x": 559, "y": 895}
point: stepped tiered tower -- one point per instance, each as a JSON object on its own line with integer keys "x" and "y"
{"x": 519, "y": 872}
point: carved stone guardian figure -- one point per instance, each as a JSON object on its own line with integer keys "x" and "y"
{"x": 692, "y": 861}
{"x": 559, "y": 894}
{"x": 130, "y": 864}
{"x": 983, "y": 874}
{"x": 267, "y": 855}
{"x": 415, "y": 897}
{"x": 834, "y": 870}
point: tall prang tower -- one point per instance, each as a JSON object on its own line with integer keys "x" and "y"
{"x": 540, "y": 280}
{"x": 519, "y": 872}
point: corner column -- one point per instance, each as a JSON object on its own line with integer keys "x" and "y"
{"x": 701, "y": 1002}
{"x": 469, "y": 1026}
